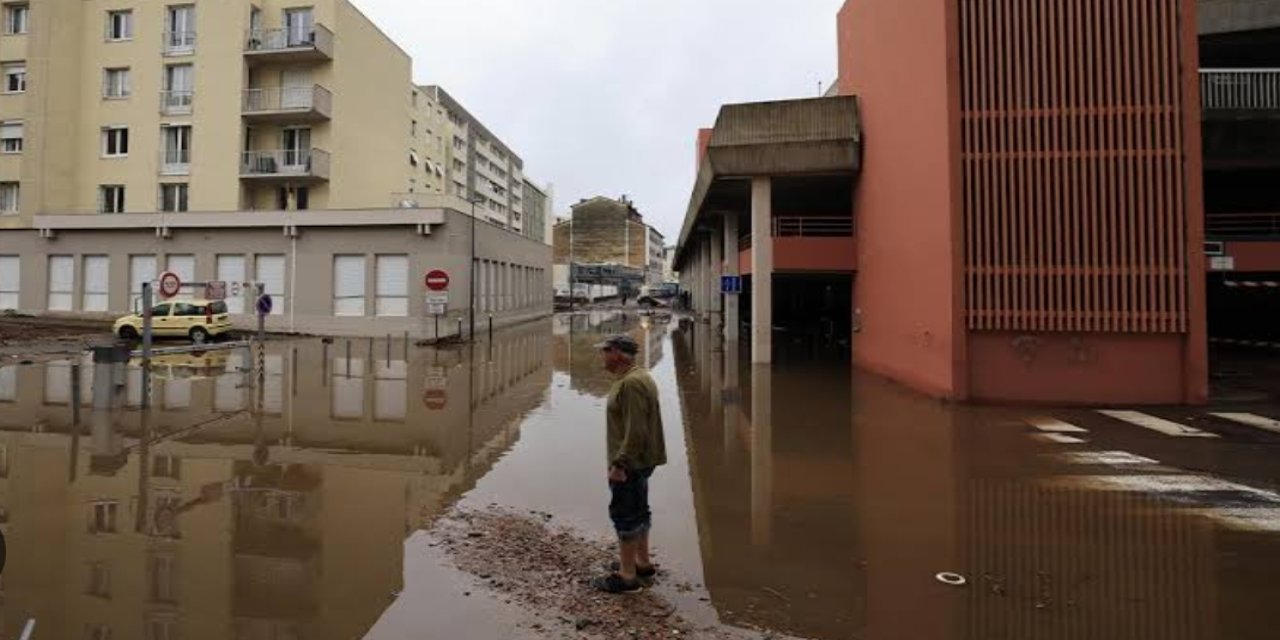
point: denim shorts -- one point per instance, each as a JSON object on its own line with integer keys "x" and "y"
{"x": 629, "y": 505}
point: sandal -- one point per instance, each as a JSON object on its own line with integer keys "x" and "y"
{"x": 641, "y": 572}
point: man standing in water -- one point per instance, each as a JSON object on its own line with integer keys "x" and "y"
{"x": 635, "y": 448}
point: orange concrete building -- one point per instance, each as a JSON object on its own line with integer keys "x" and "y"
{"x": 1026, "y": 203}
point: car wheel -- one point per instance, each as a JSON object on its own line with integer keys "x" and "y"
{"x": 128, "y": 333}
{"x": 199, "y": 335}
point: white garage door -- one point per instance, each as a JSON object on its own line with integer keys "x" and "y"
{"x": 348, "y": 285}
{"x": 10, "y": 279}
{"x": 230, "y": 268}
{"x": 97, "y": 278}
{"x": 269, "y": 270}
{"x": 185, "y": 266}
{"x": 142, "y": 269}
{"x": 393, "y": 286}
{"x": 62, "y": 279}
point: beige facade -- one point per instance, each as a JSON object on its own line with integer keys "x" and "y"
{"x": 138, "y": 106}
{"x": 334, "y": 272}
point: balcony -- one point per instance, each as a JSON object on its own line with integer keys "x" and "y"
{"x": 176, "y": 103}
{"x": 179, "y": 43}
{"x": 288, "y": 104}
{"x": 807, "y": 243}
{"x": 288, "y": 45}
{"x": 1240, "y": 93}
{"x": 299, "y": 166}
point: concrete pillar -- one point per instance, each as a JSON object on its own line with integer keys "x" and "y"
{"x": 732, "y": 394}
{"x": 761, "y": 271}
{"x": 731, "y": 322}
{"x": 716, "y": 257}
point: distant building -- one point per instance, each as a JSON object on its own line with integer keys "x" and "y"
{"x": 537, "y": 203}
{"x": 655, "y": 252}
{"x": 609, "y": 242}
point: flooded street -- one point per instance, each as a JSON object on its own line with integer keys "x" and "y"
{"x": 804, "y": 499}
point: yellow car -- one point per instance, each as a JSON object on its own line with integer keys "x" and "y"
{"x": 187, "y": 366}
{"x": 200, "y": 320}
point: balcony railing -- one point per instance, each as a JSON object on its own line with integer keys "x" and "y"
{"x": 313, "y": 100}
{"x": 812, "y": 226}
{"x": 287, "y": 163}
{"x": 317, "y": 42}
{"x": 1240, "y": 89}
{"x": 1243, "y": 225}
{"x": 176, "y": 103}
{"x": 179, "y": 42}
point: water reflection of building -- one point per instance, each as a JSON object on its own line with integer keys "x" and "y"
{"x": 194, "y": 536}
{"x": 826, "y": 504}
{"x": 575, "y": 337}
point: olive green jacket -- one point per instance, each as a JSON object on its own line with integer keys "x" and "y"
{"x": 635, "y": 439}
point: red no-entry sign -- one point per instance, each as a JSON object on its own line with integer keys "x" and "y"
{"x": 437, "y": 280}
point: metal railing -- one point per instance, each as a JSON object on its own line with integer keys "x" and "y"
{"x": 1243, "y": 225}
{"x": 286, "y": 162}
{"x": 177, "y": 42}
{"x": 1240, "y": 89}
{"x": 319, "y": 38}
{"x": 812, "y": 226}
{"x": 308, "y": 98}
{"x": 176, "y": 103}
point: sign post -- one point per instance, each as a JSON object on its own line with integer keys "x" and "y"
{"x": 437, "y": 283}
{"x": 215, "y": 290}
{"x": 731, "y": 285}
{"x": 170, "y": 284}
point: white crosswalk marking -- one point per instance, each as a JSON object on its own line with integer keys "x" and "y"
{"x": 1107, "y": 458}
{"x": 1054, "y": 425}
{"x": 1161, "y": 425}
{"x": 1251, "y": 419}
{"x": 1057, "y": 438}
{"x": 1157, "y": 484}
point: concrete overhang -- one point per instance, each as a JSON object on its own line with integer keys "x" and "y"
{"x": 812, "y": 136}
{"x": 290, "y": 222}
{"x": 1229, "y": 16}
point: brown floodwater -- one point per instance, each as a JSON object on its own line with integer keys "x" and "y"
{"x": 800, "y": 498}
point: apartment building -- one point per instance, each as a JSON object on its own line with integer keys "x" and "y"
{"x": 482, "y": 166}
{"x": 136, "y": 106}
{"x": 136, "y": 131}
{"x": 537, "y": 203}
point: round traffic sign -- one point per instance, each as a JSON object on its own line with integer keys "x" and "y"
{"x": 437, "y": 280}
{"x": 435, "y": 399}
{"x": 170, "y": 284}
{"x": 264, "y": 305}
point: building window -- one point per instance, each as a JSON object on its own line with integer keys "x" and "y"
{"x": 299, "y": 25}
{"x": 162, "y": 579}
{"x": 177, "y": 150}
{"x": 10, "y": 197}
{"x": 15, "y": 76}
{"x": 115, "y": 142}
{"x": 10, "y": 281}
{"x": 62, "y": 283}
{"x": 119, "y": 25}
{"x": 96, "y": 275}
{"x": 98, "y": 583}
{"x": 348, "y": 285}
{"x": 393, "y": 286}
{"x": 102, "y": 517}
{"x": 179, "y": 89}
{"x": 180, "y": 29}
{"x": 11, "y": 133}
{"x": 111, "y": 198}
{"x": 15, "y": 18}
{"x": 173, "y": 197}
{"x": 115, "y": 83}
{"x": 269, "y": 270}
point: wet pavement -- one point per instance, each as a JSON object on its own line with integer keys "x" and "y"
{"x": 801, "y": 499}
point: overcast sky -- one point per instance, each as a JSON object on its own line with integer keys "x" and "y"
{"x": 604, "y": 97}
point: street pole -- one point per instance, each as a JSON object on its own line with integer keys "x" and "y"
{"x": 573, "y": 276}
{"x": 472, "y": 304}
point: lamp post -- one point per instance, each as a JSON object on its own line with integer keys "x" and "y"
{"x": 471, "y": 307}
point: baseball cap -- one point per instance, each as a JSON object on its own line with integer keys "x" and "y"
{"x": 621, "y": 342}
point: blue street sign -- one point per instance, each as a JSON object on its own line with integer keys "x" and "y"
{"x": 264, "y": 305}
{"x": 730, "y": 284}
